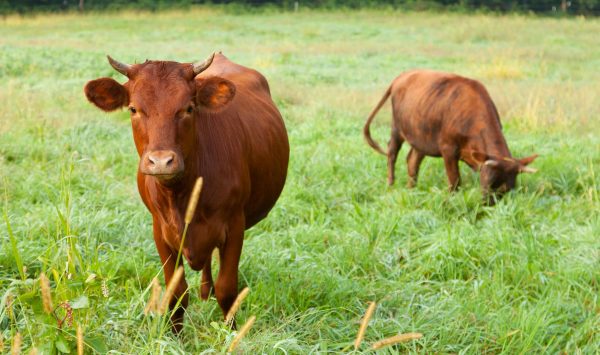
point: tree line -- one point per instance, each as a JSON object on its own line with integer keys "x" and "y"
{"x": 586, "y": 7}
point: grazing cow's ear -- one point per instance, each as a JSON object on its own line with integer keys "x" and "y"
{"x": 523, "y": 168}
{"x": 528, "y": 160}
{"x": 106, "y": 93}
{"x": 478, "y": 157}
{"x": 214, "y": 93}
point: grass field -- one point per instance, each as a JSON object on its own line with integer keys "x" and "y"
{"x": 520, "y": 277}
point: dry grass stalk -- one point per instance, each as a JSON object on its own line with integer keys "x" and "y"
{"x": 1, "y": 343}
{"x": 15, "y": 348}
{"x": 189, "y": 214}
{"x": 191, "y": 207}
{"x": 401, "y": 338}
{"x": 46, "y": 293}
{"x": 364, "y": 324}
{"x": 79, "y": 340}
{"x": 33, "y": 351}
{"x": 236, "y": 305}
{"x": 240, "y": 335}
{"x": 175, "y": 279}
{"x": 154, "y": 300}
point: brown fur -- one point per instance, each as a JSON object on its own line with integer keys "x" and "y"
{"x": 234, "y": 138}
{"x": 214, "y": 92}
{"x": 442, "y": 114}
{"x": 106, "y": 93}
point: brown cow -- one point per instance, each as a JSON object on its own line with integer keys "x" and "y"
{"x": 213, "y": 119}
{"x": 441, "y": 114}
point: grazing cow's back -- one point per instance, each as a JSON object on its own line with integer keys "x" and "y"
{"x": 216, "y": 120}
{"x": 442, "y": 114}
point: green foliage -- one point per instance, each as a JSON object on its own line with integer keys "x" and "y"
{"x": 520, "y": 277}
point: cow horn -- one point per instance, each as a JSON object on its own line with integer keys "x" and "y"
{"x": 120, "y": 67}
{"x": 491, "y": 162}
{"x": 199, "y": 67}
{"x": 526, "y": 169}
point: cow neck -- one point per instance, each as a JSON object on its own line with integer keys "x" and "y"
{"x": 489, "y": 141}
{"x": 175, "y": 198}
{"x": 492, "y": 139}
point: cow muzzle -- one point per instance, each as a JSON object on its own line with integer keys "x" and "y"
{"x": 162, "y": 164}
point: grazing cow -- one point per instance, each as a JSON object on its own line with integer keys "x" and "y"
{"x": 213, "y": 119}
{"x": 441, "y": 114}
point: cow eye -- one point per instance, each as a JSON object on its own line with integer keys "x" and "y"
{"x": 132, "y": 109}
{"x": 190, "y": 109}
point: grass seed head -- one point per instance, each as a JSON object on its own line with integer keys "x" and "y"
{"x": 9, "y": 302}
{"x": 364, "y": 324}
{"x": 191, "y": 208}
{"x": 46, "y": 293}
{"x": 79, "y": 340}
{"x": 240, "y": 335}
{"x": 15, "y": 348}
{"x": 104, "y": 289}
{"x": 512, "y": 332}
{"x": 153, "y": 302}
{"x": 401, "y": 338}
{"x": 90, "y": 278}
{"x": 236, "y": 305}
{"x": 175, "y": 279}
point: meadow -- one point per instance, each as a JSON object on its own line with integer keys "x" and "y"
{"x": 520, "y": 277}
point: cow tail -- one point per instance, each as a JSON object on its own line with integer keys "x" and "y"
{"x": 366, "y": 129}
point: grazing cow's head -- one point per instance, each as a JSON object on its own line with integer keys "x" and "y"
{"x": 163, "y": 99}
{"x": 499, "y": 175}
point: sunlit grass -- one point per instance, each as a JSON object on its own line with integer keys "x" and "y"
{"x": 521, "y": 277}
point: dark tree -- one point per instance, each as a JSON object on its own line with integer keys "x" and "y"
{"x": 588, "y": 7}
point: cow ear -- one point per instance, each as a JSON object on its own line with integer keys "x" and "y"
{"x": 478, "y": 157}
{"x": 106, "y": 93}
{"x": 528, "y": 160}
{"x": 214, "y": 93}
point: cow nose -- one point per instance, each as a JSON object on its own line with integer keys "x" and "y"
{"x": 161, "y": 161}
{"x": 165, "y": 163}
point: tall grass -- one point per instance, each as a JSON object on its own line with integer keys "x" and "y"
{"x": 521, "y": 277}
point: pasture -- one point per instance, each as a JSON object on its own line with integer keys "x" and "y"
{"x": 520, "y": 277}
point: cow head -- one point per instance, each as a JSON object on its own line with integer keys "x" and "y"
{"x": 499, "y": 175}
{"x": 164, "y": 99}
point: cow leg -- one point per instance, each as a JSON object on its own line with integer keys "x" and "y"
{"x": 450, "y": 155}
{"x": 167, "y": 257}
{"x": 207, "y": 281}
{"x": 226, "y": 287}
{"x": 393, "y": 148}
{"x": 413, "y": 161}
